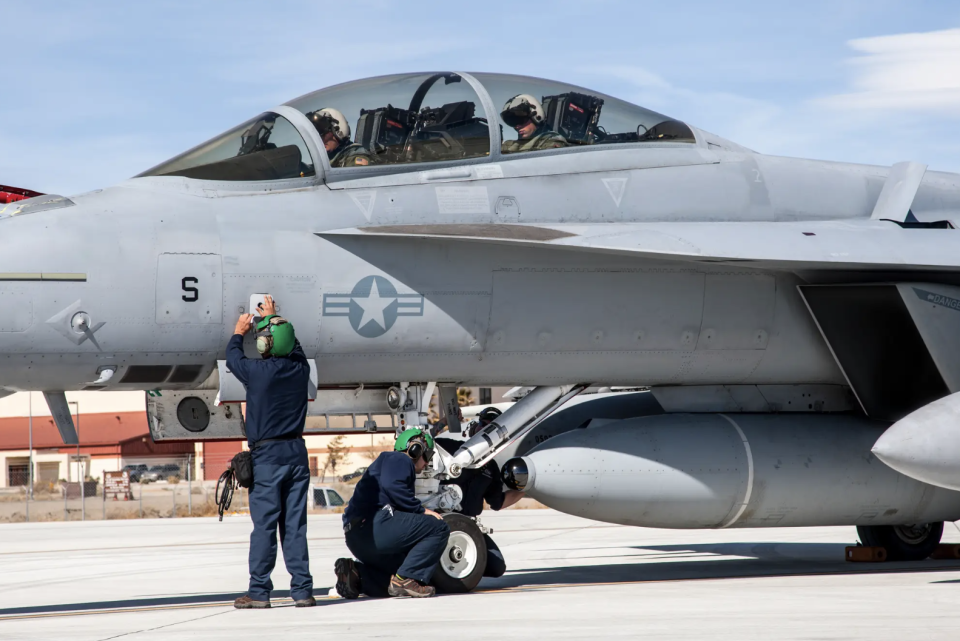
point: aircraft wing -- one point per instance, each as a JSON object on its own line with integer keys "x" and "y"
{"x": 854, "y": 244}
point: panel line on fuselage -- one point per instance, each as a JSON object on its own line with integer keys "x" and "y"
{"x": 43, "y": 276}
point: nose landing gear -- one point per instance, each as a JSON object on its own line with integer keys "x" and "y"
{"x": 464, "y": 559}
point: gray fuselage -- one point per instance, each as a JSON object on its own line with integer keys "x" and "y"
{"x": 166, "y": 264}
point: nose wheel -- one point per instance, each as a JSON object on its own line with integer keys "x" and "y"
{"x": 464, "y": 559}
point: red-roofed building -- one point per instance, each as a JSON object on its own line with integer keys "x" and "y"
{"x": 108, "y": 441}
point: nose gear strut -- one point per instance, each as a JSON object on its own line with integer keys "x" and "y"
{"x": 525, "y": 415}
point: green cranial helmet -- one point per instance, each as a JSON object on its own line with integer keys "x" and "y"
{"x": 275, "y": 336}
{"x": 415, "y": 443}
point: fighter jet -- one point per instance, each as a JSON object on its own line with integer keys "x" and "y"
{"x": 443, "y": 229}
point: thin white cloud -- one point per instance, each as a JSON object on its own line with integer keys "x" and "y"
{"x": 917, "y": 72}
{"x": 728, "y": 114}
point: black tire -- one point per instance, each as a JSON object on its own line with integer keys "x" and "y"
{"x": 913, "y": 542}
{"x": 464, "y": 559}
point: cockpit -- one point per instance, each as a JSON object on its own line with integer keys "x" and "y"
{"x": 401, "y": 122}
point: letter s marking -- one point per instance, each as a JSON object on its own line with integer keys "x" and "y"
{"x": 190, "y": 290}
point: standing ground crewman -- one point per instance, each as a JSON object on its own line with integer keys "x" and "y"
{"x": 276, "y": 412}
{"x": 396, "y": 541}
{"x": 483, "y": 484}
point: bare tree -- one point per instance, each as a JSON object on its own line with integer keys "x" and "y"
{"x": 337, "y": 454}
{"x": 371, "y": 453}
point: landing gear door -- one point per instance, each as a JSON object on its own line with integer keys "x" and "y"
{"x": 450, "y": 406}
{"x": 233, "y": 391}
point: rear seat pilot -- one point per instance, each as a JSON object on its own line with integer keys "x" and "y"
{"x": 335, "y": 132}
{"x": 526, "y": 115}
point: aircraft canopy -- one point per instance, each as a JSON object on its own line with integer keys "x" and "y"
{"x": 416, "y": 118}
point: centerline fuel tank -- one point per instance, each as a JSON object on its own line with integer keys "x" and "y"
{"x": 727, "y": 470}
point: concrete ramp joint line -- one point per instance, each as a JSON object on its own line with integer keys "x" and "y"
{"x": 749, "y": 491}
{"x": 898, "y": 191}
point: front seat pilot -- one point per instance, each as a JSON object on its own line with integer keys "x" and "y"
{"x": 525, "y": 114}
{"x": 335, "y": 132}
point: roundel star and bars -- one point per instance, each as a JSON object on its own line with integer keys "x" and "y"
{"x": 373, "y": 306}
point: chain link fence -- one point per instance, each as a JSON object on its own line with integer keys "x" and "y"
{"x": 161, "y": 490}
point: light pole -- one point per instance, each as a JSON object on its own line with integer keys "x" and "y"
{"x": 83, "y": 502}
{"x": 30, "y": 471}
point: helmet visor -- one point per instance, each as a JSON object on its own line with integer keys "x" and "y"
{"x": 323, "y": 122}
{"x": 517, "y": 116}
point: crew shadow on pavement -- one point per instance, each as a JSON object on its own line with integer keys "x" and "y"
{"x": 691, "y": 562}
{"x": 226, "y": 598}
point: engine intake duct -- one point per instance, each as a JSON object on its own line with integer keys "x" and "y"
{"x": 895, "y": 343}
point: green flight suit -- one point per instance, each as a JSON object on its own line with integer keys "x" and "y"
{"x": 542, "y": 140}
{"x": 352, "y": 155}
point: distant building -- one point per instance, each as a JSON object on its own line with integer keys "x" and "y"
{"x": 108, "y": 441}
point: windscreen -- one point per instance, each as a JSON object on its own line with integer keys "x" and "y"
{"x": 393, "y": 120}
{"x": 267, "y": 147}
{"x": 541, "y": 114}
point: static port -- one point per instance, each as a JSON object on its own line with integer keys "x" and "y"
{"x": 515, "y": 474}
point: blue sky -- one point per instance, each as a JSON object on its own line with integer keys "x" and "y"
{"x": 95, "y": 93}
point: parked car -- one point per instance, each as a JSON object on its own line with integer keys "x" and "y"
{"x": 135, "y": 471}
{"x": 357, "y": 473}
{"x": 325, "y": 497}
{"x": 160, "y": 473}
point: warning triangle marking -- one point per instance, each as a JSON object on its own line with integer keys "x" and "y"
{"x": 364, "y": 200}
{"x": 615, "y": 187}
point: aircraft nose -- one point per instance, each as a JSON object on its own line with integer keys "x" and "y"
{"x": 925, "y": 445}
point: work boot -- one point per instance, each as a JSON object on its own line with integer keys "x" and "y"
{"x": 309, "y": 602}
{"x": 409, "y": 587}
{"x": 348, "y": 578}
{"x": 246, "y": 603}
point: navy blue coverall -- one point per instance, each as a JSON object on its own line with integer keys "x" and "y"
{"x": 386, "y": 528}
{"x": 276, "y": 409}
{"x": 479, "y": 486}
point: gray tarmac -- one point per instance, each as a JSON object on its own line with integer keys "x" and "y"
{"x": 569, "y": 578}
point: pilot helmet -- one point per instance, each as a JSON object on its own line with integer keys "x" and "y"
{"x": 330, "y": 120}
{"x": 522, "y": 108}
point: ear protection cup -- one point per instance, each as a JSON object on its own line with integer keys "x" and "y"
{"x": 265, "y": 344}
{"x": 416, "y": 448}
{"x": 416, "y": 443}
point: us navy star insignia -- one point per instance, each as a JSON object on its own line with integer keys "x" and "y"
{"x": 373, "y": 306}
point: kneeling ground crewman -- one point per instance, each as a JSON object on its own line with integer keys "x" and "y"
{"x": 481, "y": 485}
{"x": 396, "y": 541}
{"x": 276, "y": 412}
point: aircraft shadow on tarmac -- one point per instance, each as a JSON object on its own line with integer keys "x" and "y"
{"x": 691, "y": 562}
{"x": 687, "y": 562}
